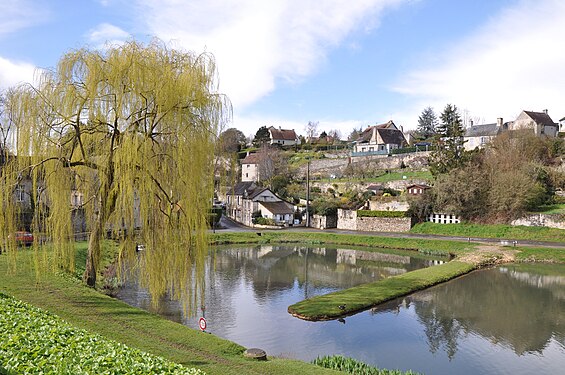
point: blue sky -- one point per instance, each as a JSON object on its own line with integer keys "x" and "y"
{"x": 343, "y": 63}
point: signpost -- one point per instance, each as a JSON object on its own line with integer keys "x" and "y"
{"x": 202, "y": 324}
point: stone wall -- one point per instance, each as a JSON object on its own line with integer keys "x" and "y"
{"x": 348, "y": 220}
{"x": 336, "y": 166}
{"x": 384, "y": 224}
{"x": 541, "y": 220}
{"x": 324, "y": 222}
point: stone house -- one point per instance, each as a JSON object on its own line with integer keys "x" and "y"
{"x": 381, "y": 138}
{"x": 283, "y": 137}
{"x": 539, "y": 122}
{"x": 246, "y": 198}
{"x": 562, "y": 126}
{"x": 250, "y": 168}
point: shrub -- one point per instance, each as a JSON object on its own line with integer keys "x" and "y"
{"x": 390, "y": 214}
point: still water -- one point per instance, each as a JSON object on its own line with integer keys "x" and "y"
{"x": 509, "y": 319}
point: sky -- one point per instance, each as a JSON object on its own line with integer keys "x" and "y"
{"x": 345, "y": 64}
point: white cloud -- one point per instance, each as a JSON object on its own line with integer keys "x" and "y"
{"x": 514, "y": 62}
{"x": 257, "y": 43}
{"x": 16, "y": 15}
{"x": 14, "y": 73}
{"x": 106, "y": 34}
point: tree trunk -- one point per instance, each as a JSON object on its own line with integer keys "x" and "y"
{"x": 89, "y": 276}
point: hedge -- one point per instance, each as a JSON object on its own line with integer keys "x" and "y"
{"x": 368, "y": 213}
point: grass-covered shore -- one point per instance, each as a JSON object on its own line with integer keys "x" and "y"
{"x": 66, "y": 297}
{"x": 498, "y": 231}
{"x": 349, "y": 301}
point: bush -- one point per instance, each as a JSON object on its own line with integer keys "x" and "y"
{"x": 264, "y": 221}
{"x": 389, "y": 214}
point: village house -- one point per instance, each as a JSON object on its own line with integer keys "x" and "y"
{"x": 417, "y": 189}
{"x": 562, "y": 126}
{"x": 477, "y": 136}
{"x": 380, "y": 139}
{"x": 246, "y": 199}
{"x": 539, "y": 122}
{"x": 283, "y": 137}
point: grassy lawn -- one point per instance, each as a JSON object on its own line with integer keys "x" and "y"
{"x": 493, "y": 231}
{"x": 86, "y": 308}
{"x": 387, "y": 177}
{"x": 334, "y": 305}
{"x": 551, "y": 209}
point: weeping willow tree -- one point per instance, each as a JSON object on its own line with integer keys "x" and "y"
{"x": 130, "y": 132}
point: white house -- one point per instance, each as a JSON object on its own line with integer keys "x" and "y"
{"x": 477, "y": 136}
{"x": 283, "y": 137}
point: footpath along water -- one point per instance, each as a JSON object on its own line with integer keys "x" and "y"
{"x": 509, "y": 319}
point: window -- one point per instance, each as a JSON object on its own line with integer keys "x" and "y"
{"x": 20, "y": 193}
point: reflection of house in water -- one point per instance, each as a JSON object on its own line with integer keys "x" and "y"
{"x": 351, "y": 257}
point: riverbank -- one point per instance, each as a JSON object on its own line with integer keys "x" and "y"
{"x": 86, "y": 308}
{"x": 67, "y": 297}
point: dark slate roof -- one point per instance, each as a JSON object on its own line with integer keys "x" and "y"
{"x": 368, "y": 133}
{"x": 388, "y": 132}
{"x": 285, "y": 134}
{"x": 392, "y": 136}
{"x": 281, "y": 207}
{"x": 256, "y": 192}
{"x": 541, "y": 118}
{"x": 241, "y": 187}
{"x": 251, "y": 159}
{"x": 375, "y": 187}
{"x": 563, "y": 119}
{"x": 482, "y": 130}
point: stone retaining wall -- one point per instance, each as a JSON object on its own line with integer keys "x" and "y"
{"x": 541, "y": 220}
{"x": 348, "y": 220}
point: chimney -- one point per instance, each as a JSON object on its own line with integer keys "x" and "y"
{"x": 545, "y": 111}
{"x": 472, "y": 123}
{"x": 499, "y": 122}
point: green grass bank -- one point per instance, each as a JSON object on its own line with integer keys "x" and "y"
{"x": 86, "y": 308}
{"x": 500, "y": 231}
{"x": 359, "y": 298}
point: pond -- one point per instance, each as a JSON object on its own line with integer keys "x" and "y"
{"x": 509, "y": 319}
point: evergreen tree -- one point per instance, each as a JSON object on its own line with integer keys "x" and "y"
{"x": 427, "y": 123}
{"x": 450, "y": 153}
{"x": 262, "y": 137}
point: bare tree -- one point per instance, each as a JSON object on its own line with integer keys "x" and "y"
{"x": 311, "y": 130}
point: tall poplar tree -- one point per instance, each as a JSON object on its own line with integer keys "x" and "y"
{"x": 133, "y": 130}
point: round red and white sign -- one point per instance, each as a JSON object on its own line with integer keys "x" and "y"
{"x": 202, "y": 324}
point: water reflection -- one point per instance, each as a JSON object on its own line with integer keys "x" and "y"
{"x": 511, "y": 307}
{"x": 504, "y": 320}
